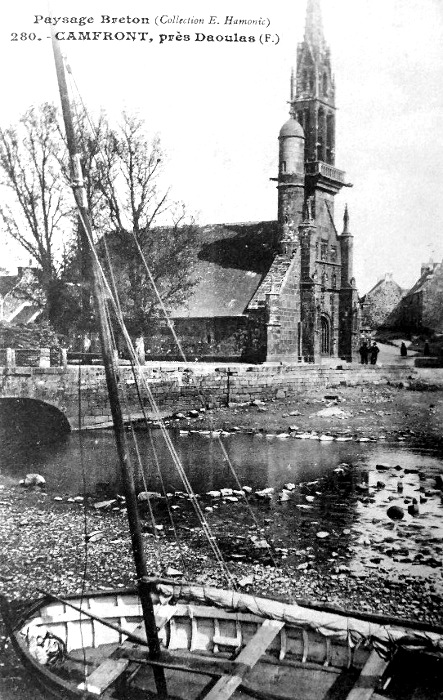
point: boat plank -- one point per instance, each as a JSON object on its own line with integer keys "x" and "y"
{"x": 371, "y": 673}
{"x": 104, "y": 675}
{"x": 226, "y": 686}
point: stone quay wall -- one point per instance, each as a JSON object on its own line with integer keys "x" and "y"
{"x": 180, "y": 387}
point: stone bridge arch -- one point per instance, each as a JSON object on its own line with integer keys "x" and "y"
{"x": 32, "y": 420}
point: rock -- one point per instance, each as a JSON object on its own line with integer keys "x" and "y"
{"x": 293, "y": 428}
{"x": 280, "y": 394}
{"x": 285, "y": 496}
{"x": 246, "y": 581}
{"x": 226, "y": 492}
{"x": 179, "y": 416}
{"x": 147, "y": 495}
{"x": 58, "y": 498}
{"x": 170, "y": 571}
{"x": 103, "y": 505}
{"x": 382, "y": 467}
{"x": 321, "y": 535}
{"x": 247, "y": 489}
{"x": 213, "y": 494}
{"x": 257, "y": 402}
{"x": 380, "y": 484}
{"x": 33, "y": 480}
{"x": 332, "y": 411}
{"x": 395, "y": 513}
{"x": 265, "y": 493}
{"x": 295, "y": 413}
{"x": 413, "y": 509}
{"x": 289, "y": 486}
{"x": 310, "y": 499}
{"x": 94, "y": 536}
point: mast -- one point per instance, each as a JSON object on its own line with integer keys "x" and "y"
{"x": 111, "y": 378}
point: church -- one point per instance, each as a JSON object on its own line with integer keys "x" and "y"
{"x": 280, "y": 291}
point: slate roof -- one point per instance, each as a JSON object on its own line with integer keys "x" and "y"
{"x": 421, "y": 282}
{"x": 7, "y": 283}
{"x": 232, "y": 261}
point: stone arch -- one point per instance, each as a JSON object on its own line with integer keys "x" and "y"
{"x": 33, "y": 419}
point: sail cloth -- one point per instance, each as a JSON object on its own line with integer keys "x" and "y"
{"x": 339, "y": 627}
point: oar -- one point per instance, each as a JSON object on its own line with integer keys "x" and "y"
{"x": 130, "y": 635}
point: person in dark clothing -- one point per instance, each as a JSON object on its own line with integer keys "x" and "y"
{"x": 426, "y": 350}
{"x": 403, "y": 350}
{"x": 363, "y": 351}
{"x": 374, "y": 352}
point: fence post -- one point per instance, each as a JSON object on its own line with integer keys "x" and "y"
{"x": 63, "y": 357}
{"x": 45, "y": 357}
{"x": 10, "y": 357}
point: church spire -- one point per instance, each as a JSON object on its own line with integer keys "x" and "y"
{"x": 346, "y": 221}
{"x": 314, "y": 26}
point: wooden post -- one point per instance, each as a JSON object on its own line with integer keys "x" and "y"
{"x": 10, "y": 357}
{"x": 111, "y": 377}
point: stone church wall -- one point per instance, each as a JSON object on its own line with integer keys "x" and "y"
{"x": 230, "y": 339}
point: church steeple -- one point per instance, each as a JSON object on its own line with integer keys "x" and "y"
{"x": 313, "y": 104}
{"x": 314, "y": 26}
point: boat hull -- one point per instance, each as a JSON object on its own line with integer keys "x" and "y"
{"x": 209, "y": 637}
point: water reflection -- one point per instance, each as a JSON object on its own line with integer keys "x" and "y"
{"x": 347, "y": 503}
{"x": 88, "y": 461}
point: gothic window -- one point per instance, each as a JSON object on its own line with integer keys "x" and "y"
{"x": 305, "y": 80}
{"x": 306, "y": 128}
{"x": 324, "y": 251}
{"x": 333, "y": 253}
{"x": 324, "y": 279}
{"x": 330, "y": 155}
{"x": 325, "y": 83}
{"x": 283, "y": 166}
{"x": 316, "y": 250}
{"x": 320, "y": 134}
{"x": 325, "y": 336}
{"x": 334, "y": 281}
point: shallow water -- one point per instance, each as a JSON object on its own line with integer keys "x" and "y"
{"x": 87, "y": 462}
{"x": 347, "y": 503}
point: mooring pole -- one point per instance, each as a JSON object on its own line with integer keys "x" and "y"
{"x": 111, "y": 378}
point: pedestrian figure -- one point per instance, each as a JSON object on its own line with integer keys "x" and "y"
{"x": 426, "y": 350}
{"x": 403, "y": 350}
{"x": 374, "y": 352}
{"x": 363, "y": 351}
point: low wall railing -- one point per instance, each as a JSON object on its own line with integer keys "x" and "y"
{"x": 33, "y": 357}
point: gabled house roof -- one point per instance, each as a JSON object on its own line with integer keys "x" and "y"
{"x": 232, "y": 261}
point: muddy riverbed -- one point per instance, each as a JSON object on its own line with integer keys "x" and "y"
{"x": 323, "y": 536}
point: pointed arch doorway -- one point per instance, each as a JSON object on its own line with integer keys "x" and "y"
{"x": 325, "y": 337}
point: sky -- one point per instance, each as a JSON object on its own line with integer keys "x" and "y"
{"x": 218, "y": 106}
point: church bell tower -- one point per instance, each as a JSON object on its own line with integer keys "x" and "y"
{"x": 313, "y": 105}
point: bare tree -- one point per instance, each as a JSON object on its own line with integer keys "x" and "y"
{"x": 36, "y": 208}
{"x": 149, "y": 240}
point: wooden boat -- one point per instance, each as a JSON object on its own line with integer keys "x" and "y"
{"x": 219, "y": 644}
